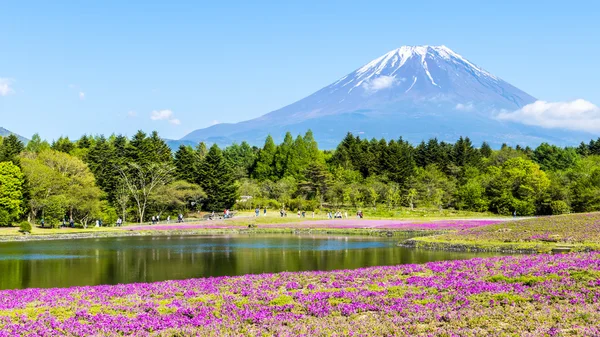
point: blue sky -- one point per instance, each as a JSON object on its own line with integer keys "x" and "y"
{"x": 69, "y": 68}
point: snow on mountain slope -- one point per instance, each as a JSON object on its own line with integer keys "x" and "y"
{"x": 416, "y": 92}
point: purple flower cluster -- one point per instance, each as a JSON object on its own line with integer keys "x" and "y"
{"x": 569, "y": 229}
{"x": 534, "y": 295}
{"x": 337, "y": 224}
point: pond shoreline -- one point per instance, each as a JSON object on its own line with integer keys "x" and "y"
{"x": 226, "y": 231}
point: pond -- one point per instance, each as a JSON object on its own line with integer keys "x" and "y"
{"x": 65, "y": 263}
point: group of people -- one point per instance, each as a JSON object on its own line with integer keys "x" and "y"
{"x": 257, "y": 211}
{"x": 337, "y": 215}
{"x": 156, "y": 219}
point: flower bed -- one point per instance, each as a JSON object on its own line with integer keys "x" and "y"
{"x": 535, "y": 295}
{"x": 333, "y": 224}
{"x": 578, "y": 231}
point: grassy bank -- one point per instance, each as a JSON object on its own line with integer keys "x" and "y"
{"x": 575, "y": 232}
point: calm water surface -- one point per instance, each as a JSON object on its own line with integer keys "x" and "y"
{"x": 65, "y": 263}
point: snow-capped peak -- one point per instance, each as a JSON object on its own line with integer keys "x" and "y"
{"x": 392, "y": 62}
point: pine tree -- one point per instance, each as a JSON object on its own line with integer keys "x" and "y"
{"x": 282, "y": 159}
{"x": 186, "y": 163}
{"x": 263, "y": 168}
{"x": 399, "y": 162}
{"x": 63, "y": 144}
{"x": 10, "y": 148}
{"x": 485, "y": 150}
{"x": 217, "y": 180}
{"x": 102, "y": 163}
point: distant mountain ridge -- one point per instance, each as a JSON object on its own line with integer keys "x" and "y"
{"x": 417, "y": 92}
{"x": 4, "y": 133}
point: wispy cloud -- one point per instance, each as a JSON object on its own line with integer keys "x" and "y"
{"x": 578, "y": 115}
{"x": 379, "y": 83}
{"x": 464, "y": 107}
{"x": 160, "y": 115}
{"x": 6, "y": 86}
{"x": 81, "y": 95}
{"x": 131, "y": 114}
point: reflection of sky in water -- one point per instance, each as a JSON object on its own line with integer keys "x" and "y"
{"x": 71, "y": 249}
{"x": 39, "y": 257}
{"x": 228, "y": 246}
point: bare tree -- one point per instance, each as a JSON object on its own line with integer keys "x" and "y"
{"x": 122, "y": 196}
{"x": 143, "y": 181}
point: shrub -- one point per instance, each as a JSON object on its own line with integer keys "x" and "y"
{"x": 4, "y": 218}
{"x": 25, "y": 227}
{"x": 559, "y": 207}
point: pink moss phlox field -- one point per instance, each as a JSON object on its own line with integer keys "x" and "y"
{"x": 533, "y": 295}
{"x": 335, "y": 224}
{"x": 565, "y": 229}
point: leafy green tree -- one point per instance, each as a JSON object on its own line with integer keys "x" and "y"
{"x": 36, "y": 144}
{"x": 11, "y": 192}
{"x": 518, "y": 185}
{"x": 59, "y": 181}
{"x": 434, "y": 188}
{"x": 217, "y": 180}
{"x": 179, "y": 195}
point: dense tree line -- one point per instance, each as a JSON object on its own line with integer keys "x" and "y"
{"x": 135, "y": 178}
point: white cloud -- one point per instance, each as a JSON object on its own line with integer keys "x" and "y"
{"x": 379, "y": 83}
{"x": 81, "y": 95}
{"x": 131, "y": 114}
{"x": 5, "y": 87}
{"x": 160, "y": 115}
{"x": 215, "y": 122}
{"x": 464, "y": 107}
{"x": 578, "y": 115}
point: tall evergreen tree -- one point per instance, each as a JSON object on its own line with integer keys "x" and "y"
{"x": 263, "y": 168}
{"x": 186, "y": 163}
{"x": 10, "y": 148}
{"x": 63, "y": 144}
{"x": 399, "y": 162}
{"x": 217, "y": 180}
{"x": 102, "y": 163}
{"x": 282, "y": 158}
{"x": 485, "y": 150}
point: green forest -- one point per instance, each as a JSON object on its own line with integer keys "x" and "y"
{"x": 135, "y": 178}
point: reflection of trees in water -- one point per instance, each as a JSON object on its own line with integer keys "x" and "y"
{"x": 154, "y": 259}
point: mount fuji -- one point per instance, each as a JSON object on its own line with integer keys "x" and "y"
{"x": 416, "y": 92}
